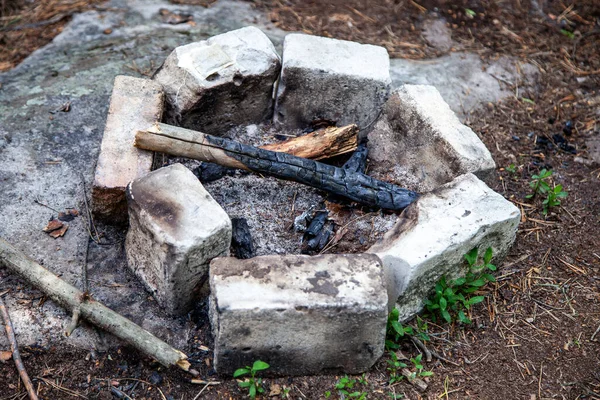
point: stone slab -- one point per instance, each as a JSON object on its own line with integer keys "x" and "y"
{"x": 433, "y": 234}
{"x": 419, "y": 143}
{"x": 224, "y": 81}
{"x": 302, "y": 315}
{"x": 135, "y": 104}
{"x": 175, "y": 229}
{"x": 337, "y": 80}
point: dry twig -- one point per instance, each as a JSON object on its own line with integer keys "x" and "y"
{"x": 10, "y": 332}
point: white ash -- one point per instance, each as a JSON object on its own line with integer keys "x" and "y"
{"x": 270, "y": 205}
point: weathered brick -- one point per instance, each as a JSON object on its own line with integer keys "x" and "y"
{"x": 135, "y": 104}
{"x": 323, "y": 78}
{"x": 175, "y": 229}
{"x": 302, "y": 315}
{"x": 224, "y": 81}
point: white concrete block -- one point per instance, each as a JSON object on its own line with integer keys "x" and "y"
{"x": 433, "y": 234}
{"x": 302, "y": 315}
{"x": 323, "y": 78}
{"x": 220, "y": 82}
{"x": 420, "y": 144}
{"x": 135, "y": 104}
{"x": 175, "y": 229}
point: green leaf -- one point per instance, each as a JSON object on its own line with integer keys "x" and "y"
{"x": 491, "y": 267}
{"x": 568, "y": 34}
{"x": 458, "y": 282}
{"x": 470, "y": 13}
{"x": 488, "y": 277}
{"x": 446, "y": 315}
{"x": 443, "y": 303}
{"x": 327, "y": 394}
{"x": 529, "y": 196}
{"x": 260, "y": 365}
{"x": 252, "y": 392}
{"x": 240, "y": 372}
{"x": 477, "y": 282}
{"x": 426, "y": 373}
{"x": 526, "y": 100}
{"x": 476, "y": 299}
{"x": 244, "y": 384}
{"x": 471, "y": 256}
{"x": 463, "y": 318}
{"x": 487, "y": 257}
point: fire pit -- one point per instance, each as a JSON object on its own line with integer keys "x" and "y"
{"x": 304, "y": 314}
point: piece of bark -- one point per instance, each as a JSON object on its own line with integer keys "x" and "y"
{"x": 93, "y": 311}
{"x": 10, "y": 333}
{"x": 323, "y": 143}
{"x": 355, "y": 186}
{"x": 413, "y": 380}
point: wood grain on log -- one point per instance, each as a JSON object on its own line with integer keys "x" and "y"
{"x": 353, "y": 185}
{"x": 323, "y": 143}
{"x": 93, "y": 311}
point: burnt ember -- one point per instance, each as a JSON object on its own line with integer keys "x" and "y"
{"x": 241, "y": 241}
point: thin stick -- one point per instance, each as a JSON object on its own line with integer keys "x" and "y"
{"x": 10, "y": 332}
{"x": 93, "y": 311}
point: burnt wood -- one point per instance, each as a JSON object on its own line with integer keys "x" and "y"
{"x": 355, "y": 186}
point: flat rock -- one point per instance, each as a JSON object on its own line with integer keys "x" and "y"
{"x": 433, "y": 234}
{"x": 420, "y": 144}
{"x": 302, "y": 315}
{"x": 175, "y": 229}
{"x": 135, "y": 104}
{"x": 224, "y": 81}
{"x": 331, "y": 79}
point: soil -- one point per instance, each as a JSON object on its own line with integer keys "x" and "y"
{"x": 536, "y": 334}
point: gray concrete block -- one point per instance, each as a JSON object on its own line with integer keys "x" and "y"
{"x": 323, "y": 78}
{"x": 420, "y": 144}
{"x": 175, "y": 229}
{"x": 433, "y": 234}
{"x": 302, "y": 315}
{"x": 135, "y": 104}
{"x": 224, "y": 81}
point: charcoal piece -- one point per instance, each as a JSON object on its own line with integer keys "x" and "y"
{"x": 318, "y": 242}
{"x": 241, "y": 239}
{"x": 317, "y": 223}
{"x": 568, "y": 128}
{"x": 209, "y": 172}
{"x": 358, "y": 161}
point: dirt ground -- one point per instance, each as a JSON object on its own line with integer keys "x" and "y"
{"x": 537, "y": 334}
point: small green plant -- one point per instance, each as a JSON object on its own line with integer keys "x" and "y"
{"x": 345, "y": 386}
{"x": 567, "y": 33}
{"x": 538, "y": 183}
{"x": 553, "y": 198}
{"x": 455, "y": 295}
{"x": 252, "y": 383}
{"x": 394, "y": 367}
{"x": 512, "y": 168}
{"x": 419, "y": 367}
{"x": 395, "y": 331}
{"x": 470, "y": 13}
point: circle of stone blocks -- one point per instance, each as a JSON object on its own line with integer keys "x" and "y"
{"x": 302, "y": 315}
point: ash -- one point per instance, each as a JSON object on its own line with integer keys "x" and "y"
{"x": 270, "y": 205}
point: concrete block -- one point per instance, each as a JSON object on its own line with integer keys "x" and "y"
{"x": 420, "y": 144}
{"x": 135, "y": 104}
{"x": 175, "y": 229}
{"x": 302, "y": 315}
{"x": 224, "y": 81}
{"x": 433, "y": 234}
{"x": 331, "y": 79}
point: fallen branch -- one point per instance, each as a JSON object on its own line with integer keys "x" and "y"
{"x": 323, "y": 143}
{"x": 10, "y": 332}
{"x": 98, "y": 314}
{"x": 355, "y": 186}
